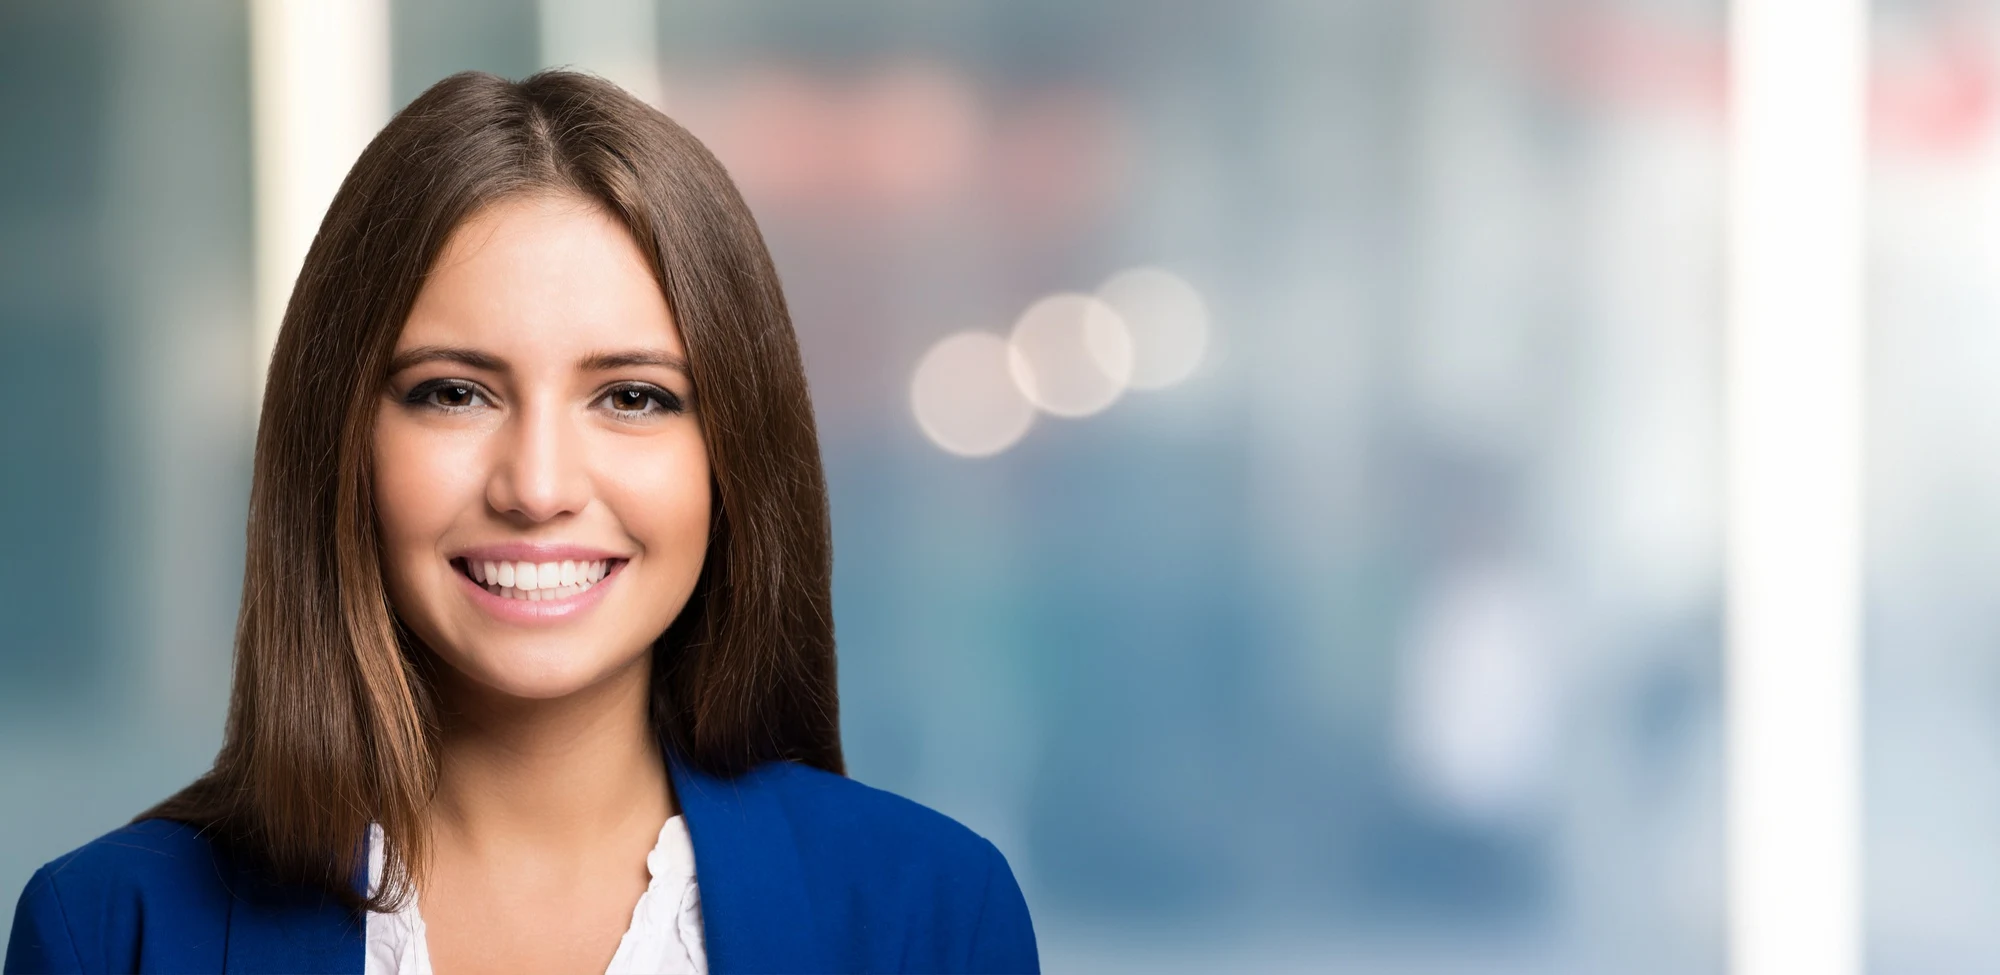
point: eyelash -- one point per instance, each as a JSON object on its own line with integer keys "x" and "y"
{"x": 668, "y": 402}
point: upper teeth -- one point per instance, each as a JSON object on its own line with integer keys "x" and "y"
{"x": 538, "y": 575}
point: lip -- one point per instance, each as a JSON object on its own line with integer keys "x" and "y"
{"x": 535, "y": 552}
{"x": 524, "y": 612}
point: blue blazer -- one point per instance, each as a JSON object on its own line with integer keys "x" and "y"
{"x": 800, "y": 870}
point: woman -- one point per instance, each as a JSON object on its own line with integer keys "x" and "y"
{"x": 535, "y": 666}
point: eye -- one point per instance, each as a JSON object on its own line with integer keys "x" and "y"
{"x": 633, "y": 402}
{"x": 447, "y": 395}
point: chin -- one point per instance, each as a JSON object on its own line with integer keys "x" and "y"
{"x": 537, "y": 671}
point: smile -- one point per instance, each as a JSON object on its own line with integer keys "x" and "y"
{"x": 530, "y": 592}
{"x": 533, "y": 581}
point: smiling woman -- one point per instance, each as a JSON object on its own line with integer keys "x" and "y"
{"x": 533, "y": 387}
{"x": 535, "y": 664}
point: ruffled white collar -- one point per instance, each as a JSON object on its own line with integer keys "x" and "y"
{"x": 664, "y": 936}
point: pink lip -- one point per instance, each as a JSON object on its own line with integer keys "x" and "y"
{"x": 531, "y": 613}
{"x": 535, "y": 552}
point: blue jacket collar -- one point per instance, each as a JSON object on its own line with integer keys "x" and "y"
{"x": 286, "y": 928}
{"x": 756, "y": 916}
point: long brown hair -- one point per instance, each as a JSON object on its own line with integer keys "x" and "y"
{"x": 331, "y": 723}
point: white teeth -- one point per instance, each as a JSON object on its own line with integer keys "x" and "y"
{"x": 545, "y": 595}
{"x": 541, "y": 575}
{"x": 537, "y": 581}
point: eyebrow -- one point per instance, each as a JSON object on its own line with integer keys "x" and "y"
{"x": 595, "y": 362}
{"x": 625, "y": 359}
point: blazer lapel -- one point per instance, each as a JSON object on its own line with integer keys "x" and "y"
{"x": 755, "y": 913}
{"x": 276, "y": 928}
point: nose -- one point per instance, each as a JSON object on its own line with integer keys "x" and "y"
{"x": 541, "y": 472}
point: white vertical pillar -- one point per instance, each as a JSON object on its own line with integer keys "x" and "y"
{"x": 1794, "y": 374}
{"x": 319, "y": 92}
{"x": 617, "y": 39}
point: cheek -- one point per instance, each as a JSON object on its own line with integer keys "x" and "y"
{"x": 421, "y": 481}
{"x": 662, "y": 497}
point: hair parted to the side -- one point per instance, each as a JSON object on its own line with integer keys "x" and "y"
{"x": 331, "y": 724}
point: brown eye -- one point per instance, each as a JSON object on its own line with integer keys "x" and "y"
{"x": 447, "y": 396}
{"x": 642, "y": 402}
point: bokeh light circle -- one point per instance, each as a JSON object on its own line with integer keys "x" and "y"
{"x": 1074, "y": 354}
{"x": 966, "y": 398}
{"x": 1167, "y": 320}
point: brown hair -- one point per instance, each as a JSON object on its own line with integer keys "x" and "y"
{"x": 330, "y": 720}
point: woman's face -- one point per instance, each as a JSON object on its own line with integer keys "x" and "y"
{"x": 541, "y": 482}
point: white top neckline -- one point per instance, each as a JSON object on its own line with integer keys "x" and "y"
{"x": 665, "y": 935}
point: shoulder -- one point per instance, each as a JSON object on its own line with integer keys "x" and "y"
{"x": 95, "y": 907}
{"x": 898, "y": 863}
{"x": 148, "y": 852}
{"x": 149, "y": 858}
{"x": 878, "y": 822}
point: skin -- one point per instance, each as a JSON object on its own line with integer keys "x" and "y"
{"x": 551, "y": 788}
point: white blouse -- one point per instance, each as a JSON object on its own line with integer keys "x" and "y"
{"x": 664, "y": 936}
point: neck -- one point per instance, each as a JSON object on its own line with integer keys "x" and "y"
{"x": 569, "y": 772}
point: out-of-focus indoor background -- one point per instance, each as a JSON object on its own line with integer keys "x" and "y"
{"x": 1348, "y": 594}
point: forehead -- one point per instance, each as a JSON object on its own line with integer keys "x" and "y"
{"x": 544, "y": 275}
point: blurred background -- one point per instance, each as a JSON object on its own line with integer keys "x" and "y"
{"x": 1343, "y": 592}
